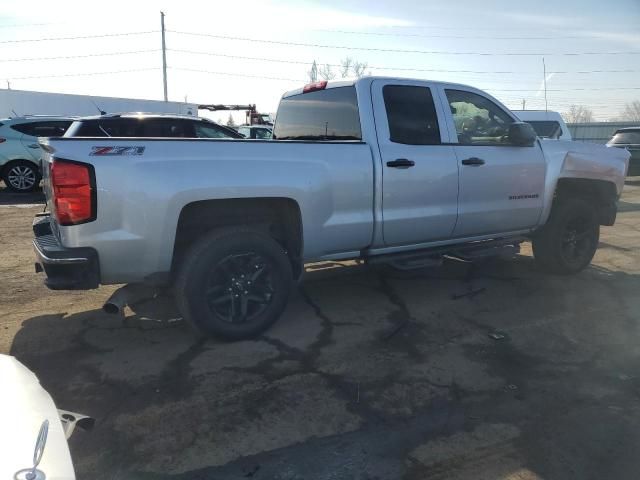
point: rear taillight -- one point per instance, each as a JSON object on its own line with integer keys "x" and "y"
{"x": 73, "y": 192}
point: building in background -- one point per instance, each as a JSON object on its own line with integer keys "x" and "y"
{"x": 14, "y": 103}
{"x": 596, "y": 132}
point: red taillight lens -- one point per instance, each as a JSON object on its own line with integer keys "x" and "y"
{"x": 312, "y": 87}
{"x": 73, "y": 195}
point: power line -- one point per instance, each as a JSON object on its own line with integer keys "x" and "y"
{"x": 488, "y": 89}
{"x": 565, "y": 89}
{"x": 86, "y": 74}
{"x": 21, "y": 25}
{"x": 235, "y": 74}
{"x": 31, "y": 59}
{"x": 433, "y": 70}
{"x": 420, "y": 35}
{"x": 81, "y": 37}
{"x": 393, "y": 50}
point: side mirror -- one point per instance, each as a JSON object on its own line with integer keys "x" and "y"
{"x": 521, "y": 134}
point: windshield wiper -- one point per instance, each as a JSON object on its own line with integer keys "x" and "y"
{"x": 104, "y": 131}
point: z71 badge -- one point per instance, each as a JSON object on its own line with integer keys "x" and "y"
{"x": 116, "y": 151}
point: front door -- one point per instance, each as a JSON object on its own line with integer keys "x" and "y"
{"x": 419, "y": 171}
{"x": 501, "y": 185}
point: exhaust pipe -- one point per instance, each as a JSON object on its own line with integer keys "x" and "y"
{"x": 130, "y": 293}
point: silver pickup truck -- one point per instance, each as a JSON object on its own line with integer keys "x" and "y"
{"x": 383, "y": 169}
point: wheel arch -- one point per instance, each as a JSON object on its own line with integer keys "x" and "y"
{"x": 602, "y": 194}
{"x": 280, "y": 217}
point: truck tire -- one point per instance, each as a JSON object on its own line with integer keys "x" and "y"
{"x": 568, "y": 242}
{"x": 233, "y": 283}
{"x": 21, "y": 176}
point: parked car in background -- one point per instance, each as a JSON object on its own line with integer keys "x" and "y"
{"x": 629, "y": 139}
{"x": 547, "y": 124}
{"x": 149, "y": 125}
{"x": 34, "y": 434}
{"x": 260, "y": 132}
{"x": 19, "y": 150}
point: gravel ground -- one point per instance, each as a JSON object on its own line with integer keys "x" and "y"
{"x": 370, "y": 374}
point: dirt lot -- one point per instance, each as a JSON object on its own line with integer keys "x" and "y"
{"x": 369, "y": 375}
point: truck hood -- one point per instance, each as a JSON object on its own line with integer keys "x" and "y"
{"x": 588, "y": 160}
{"x": 24, "y": 405}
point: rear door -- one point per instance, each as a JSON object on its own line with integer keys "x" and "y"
{"x": 419, "y": 169}
{"x": 501, "y": 185}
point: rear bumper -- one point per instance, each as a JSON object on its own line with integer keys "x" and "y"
{"x": 65, "y": 268}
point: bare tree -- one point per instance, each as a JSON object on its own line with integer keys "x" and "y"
{"x": 359, "y": 68}
{"x": 578, "y": 114}
{"x": 631, "y": 112}
{"x": 348, "y": 68}
{"x": 345, "y": 66}
{"x": 313, "y": 73}
{"x": 326, "y": 72}
{"x": 230, "y": 121}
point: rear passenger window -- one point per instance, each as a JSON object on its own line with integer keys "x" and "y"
{"x": 411, "y": 114}
{"x": 109, "y": 127}
{"x": 26, "y": 128}
{"x": 54, "y": 128}
{"x": 209, "y": 131}
{"x": 168, "y": 128}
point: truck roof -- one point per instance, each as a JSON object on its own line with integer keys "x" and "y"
{"x": 369, "y": 79}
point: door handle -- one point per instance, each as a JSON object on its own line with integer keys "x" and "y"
{"x": 401, "y": 163}
{"x": 34, "y": 145}
{"x": 475, "y": 161}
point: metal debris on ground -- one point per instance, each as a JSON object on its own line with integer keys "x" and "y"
{"x": 470, "y": 293}
{"x": 511, "y": 386}
{"x": 252, "y": 472}
{"x": 395, "y": 330}
{"x": 497, "y": 335}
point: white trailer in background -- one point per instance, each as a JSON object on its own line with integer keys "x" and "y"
{"x": 15, "y": 103}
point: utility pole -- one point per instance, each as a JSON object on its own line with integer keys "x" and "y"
{"x": 544, "y": 72}
{"x": 164, "y": 57}
{"x": 524, "y": 102}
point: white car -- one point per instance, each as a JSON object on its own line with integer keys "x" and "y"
{"x": 19, "y": 150}
{"x": 547, "y": 124}
{"x": 33, "y": 438}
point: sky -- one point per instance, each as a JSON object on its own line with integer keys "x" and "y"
{"x": 253, "y": 51}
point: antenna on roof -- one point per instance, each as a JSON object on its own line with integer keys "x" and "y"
{"x": 14, "y": 112}
{"x": 102, "y": 112}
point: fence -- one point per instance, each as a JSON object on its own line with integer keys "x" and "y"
{"x": 597, "y": 132}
